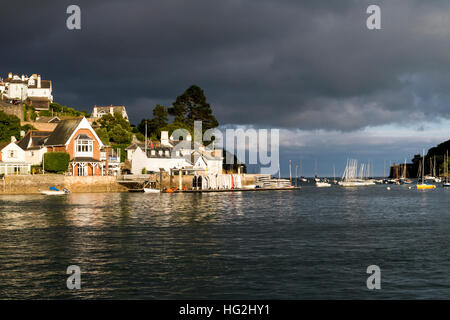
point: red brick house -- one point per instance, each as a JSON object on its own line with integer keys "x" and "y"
{"x": 79, "y": 140}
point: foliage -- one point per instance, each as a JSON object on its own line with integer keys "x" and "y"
{"x": 120, "y": 135}
{"x": 157, "y": 123}
{"x": 103, "y": 135}
{"x": 9, "y": 126}
{"x": 192, "y": 106}
{"x": 117, "y": 127}
{"x": 56, "y": 161}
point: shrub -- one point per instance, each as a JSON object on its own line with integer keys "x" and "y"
{"x": 56, "y": 162}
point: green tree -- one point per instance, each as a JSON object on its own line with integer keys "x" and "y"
{"x": 192, "y": 106}
{"x": 9, "y": 126}
{"x": 103, "y": 135}
{"x": 120, "y": 135}
{"x": 109, "y": 122}
{"x": 159, "y": 122}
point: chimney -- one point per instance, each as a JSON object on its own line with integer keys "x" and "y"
{"x": 23, "y": 78}
{"x": 164, "y": 137}
{"x": 10, "y": 75}
{"x": 22, "y": 134}
{"x": 39, "y": 81}
{"x": 13, "y": 139}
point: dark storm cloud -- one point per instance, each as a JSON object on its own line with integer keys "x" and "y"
{"x": 293, "y": 64}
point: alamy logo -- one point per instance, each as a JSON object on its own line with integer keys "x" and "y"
{"x": 374, "y": 20}
{"x": 73, "y": 21}
{"x": 74, "y": 281}
{"x": 374, "y": 281}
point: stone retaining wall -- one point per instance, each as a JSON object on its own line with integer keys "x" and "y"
{"x": 34, "y": 183}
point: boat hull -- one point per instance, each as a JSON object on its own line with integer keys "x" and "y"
{"x": 426, "y": 186}
{"x": 322, "y": 185}
{"x": 53, "y": 193}
{"x": 148, "y": 190}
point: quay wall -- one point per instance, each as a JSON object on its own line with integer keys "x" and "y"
{"x": 29, "y": 184}
{"x": 167, "y": 181}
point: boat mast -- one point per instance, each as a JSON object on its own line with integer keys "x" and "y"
{"x": 290, "y": 174}
{"x": 423, "y": 164}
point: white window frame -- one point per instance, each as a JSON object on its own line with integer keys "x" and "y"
{"x": 84, "y": 148}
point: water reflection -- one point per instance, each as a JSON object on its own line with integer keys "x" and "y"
{"x": 222, "y": 245}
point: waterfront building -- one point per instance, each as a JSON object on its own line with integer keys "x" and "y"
{"x": 88, "y": 154}
{"x": 171, "y": 156}
{"x": 33, "y": 143}
{"x": 31, "y": 90}
{"x": 100, "y": 111}
{"x": 12, "y": 159}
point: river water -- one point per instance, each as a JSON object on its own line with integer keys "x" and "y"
{"x": 306, "y": 244}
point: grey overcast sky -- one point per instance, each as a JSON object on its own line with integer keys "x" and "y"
{"x": 310, "y": 68}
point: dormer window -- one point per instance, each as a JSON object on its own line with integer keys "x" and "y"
{"x": 84, "y": 146}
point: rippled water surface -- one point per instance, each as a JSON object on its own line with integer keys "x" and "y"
{"x": 307, "y": 244}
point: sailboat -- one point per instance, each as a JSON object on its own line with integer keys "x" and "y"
{"x": 404, "y": 179}
{"x": 423, "y": 185}
{"x": 350, "y": 177}
{"x": 319, "y": 183}
{"x": 446, "y": 182}
{"x": 334, "y": 175}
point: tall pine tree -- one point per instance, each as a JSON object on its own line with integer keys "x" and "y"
{"x": 192, "y": 106}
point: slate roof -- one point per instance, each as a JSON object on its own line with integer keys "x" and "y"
{"x": 37, "y": 139}
{"x": 63, "y": 132}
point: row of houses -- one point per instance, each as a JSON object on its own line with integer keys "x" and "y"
{"x": 29, "y": 89}
{"x": 89, "y": 156}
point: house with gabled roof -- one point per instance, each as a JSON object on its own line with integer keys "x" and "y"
{"x": 33, "y": 143}
{"x": 100, "y": 111}
{"x": 79, "y": 140}
{"x": 12, "y": 159}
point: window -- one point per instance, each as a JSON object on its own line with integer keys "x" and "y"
{"x": 167, "y": 153}
{"x": 160, "y": 152}
{"x": 12, "y": 153}
{"x": 153, "y": 152}
{"x": 84, "y": 146}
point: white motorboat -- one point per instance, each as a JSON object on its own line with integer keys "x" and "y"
{"x": 54, "y": 192}
{"x": 149, "y": 190}
{"x": 323, "y": 184}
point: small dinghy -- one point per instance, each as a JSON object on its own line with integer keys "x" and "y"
{"x": 149, "y": 190}
{"x": 54, "y": 192}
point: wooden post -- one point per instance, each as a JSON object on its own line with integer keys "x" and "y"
{"x": 180, "y": 176}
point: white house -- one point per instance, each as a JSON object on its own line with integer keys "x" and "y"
{"x": 12, "y": 159}
{"x": 174, "y": 155}
{"x": 33, "y": 90}
{"x": 33, "y": 145}
{"x": 100, "y": 111}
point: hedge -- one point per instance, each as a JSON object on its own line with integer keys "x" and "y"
{"x": 56, "y": 161}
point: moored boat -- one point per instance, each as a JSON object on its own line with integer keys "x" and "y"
{"x": 149, "y": 190}
{"x": 423, "y": 185}
{"x": 54, "y": 192}
{"x": 322, "y": 184}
